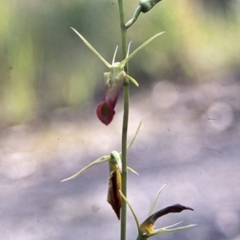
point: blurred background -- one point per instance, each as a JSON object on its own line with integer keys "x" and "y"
{"x": 189, "y": 95}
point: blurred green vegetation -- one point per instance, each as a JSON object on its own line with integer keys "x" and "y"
{"x": 45, "y": 66}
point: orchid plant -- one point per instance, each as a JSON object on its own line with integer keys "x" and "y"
{"x": 115, "y": 80}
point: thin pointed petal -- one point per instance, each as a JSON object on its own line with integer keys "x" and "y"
{"x": 134, "y": 81}
{"x": 139, "y": 48}
{"x": 114, "y": 55}
{"x": 132, "y": 170}
{"x": 165, "y": 230}
{"x": 92, "y": 48}
{"x": 133, "y": 212}
{"x": 99, "y": 160}
{"x": 155, "y": 199}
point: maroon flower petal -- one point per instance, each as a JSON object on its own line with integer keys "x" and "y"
{"x": 111, "y": 95}
{"x": 105, "y": 112}
{"x": 114, "y": 197}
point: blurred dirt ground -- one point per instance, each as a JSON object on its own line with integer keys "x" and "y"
{"x": 189, "y": 140}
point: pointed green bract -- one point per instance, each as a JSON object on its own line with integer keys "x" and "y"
{"x": 169, "y": 229}
{"x": 123, "y": 62}
{"x": 132, "y": 170}
{"x": 114, "y": 55}
{"x": 135, "y": 135}
{"x": 132, "y": 80}
{"x": 114, "y": 156}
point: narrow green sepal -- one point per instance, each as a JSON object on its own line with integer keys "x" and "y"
{"x": 131, "y": 208}
{"x": 114, "y": 55}
{"x": 99, "y": 160}
{"x": 134, "y": 81}
{"x": 92, "y": 48}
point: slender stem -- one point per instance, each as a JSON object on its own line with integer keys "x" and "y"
{"x": 125, "y": 123}
{"x": 123, "y": 29}
{"x": 124, "y": 158}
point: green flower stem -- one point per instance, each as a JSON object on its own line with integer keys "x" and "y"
{"x": 125, "y": 123}
{"x": 124, "y": 157}
{"x": 123, "y": 30}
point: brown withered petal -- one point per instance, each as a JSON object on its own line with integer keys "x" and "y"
{"x": 147, "y": 227}
{"x": 114, "y": 197}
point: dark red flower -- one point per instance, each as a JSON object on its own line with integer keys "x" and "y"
{"x": 105, "y": 110}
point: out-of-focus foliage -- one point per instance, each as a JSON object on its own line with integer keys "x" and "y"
{"x": 44, "y": 65}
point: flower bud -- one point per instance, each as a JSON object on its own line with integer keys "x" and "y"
{"x": 147, "y": 5}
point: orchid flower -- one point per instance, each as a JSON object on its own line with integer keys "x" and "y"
{"x": 113, "y": 79}
{"x": 146, "y": 228}
{"x": 115, "y": 169}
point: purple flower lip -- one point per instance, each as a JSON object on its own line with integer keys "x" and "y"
{"x": 105, "y": 112}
